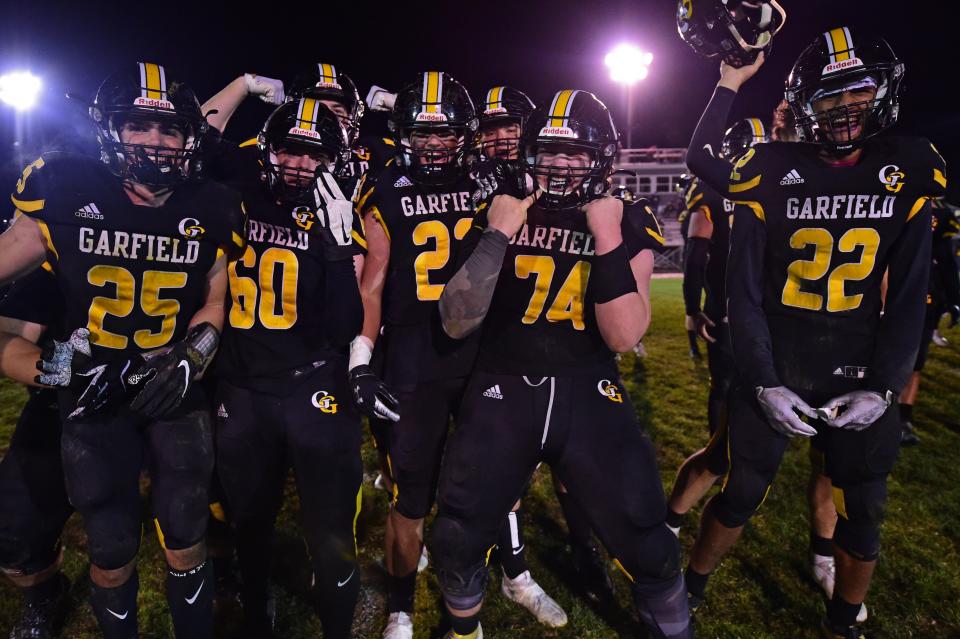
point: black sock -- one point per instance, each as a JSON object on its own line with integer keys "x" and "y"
{"x": 116, "y": 608}
{"x": 840, "y": 613}
{"x": 337, "y": 590}
{"x": 512, "y": 549}
{"x": 46, "y": 590}
{"x": 822, "y": 546}
{"x": 464, "y": 626}
{"x": 675, "y": 519}
{"x": 696, "y": 583}
{"x": 190, "y": 598}
{"x": 906, "y": 412}
{"x": 253, "y": 557}
{"x": 400, "y": 592}
{"x": 577, "y": 522}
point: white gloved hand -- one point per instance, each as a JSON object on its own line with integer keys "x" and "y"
{"x": 269, "y": 90}
{"x": 334, "y": 215}
{"x": 780, "y": 405}
{"x": 862, "y": 409}
{"x": 379, "y": 99}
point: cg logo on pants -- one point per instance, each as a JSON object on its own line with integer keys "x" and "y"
{"x": 609, "y": 390}
{"x": 326, "y": 402}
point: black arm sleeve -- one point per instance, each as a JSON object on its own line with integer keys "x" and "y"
{"x": 342, "y": 306}
{"x": 694, "y": 273}
{"x": 900, "y": 328}
{"x": 701, "y": 161}
{"x": 752, "y": 345}
{"x": 947, "y": 269}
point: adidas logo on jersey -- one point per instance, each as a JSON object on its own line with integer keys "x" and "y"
{"x": 403, "y": 181}
{"x": 493, "y": 392}
{"x": 89, "y": 212}
{"x": 791, "y": 178}
{"x": 851, "y": 372}
{"x": 222, "y": 412}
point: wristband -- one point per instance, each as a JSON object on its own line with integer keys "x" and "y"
{"x": 361, "y": 352}
{"x": 611, "y": 276}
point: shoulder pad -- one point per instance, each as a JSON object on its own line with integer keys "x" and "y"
{"x": 49, "y": 173}
{"x": 746, "y": 172}
{"x": 641, "y": 226}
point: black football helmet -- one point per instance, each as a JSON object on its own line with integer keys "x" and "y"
{"x": 737, "y": 30}
{"x": 838, "y": 61}
{"x": 304, "y": 127}
{"x": 574, "y": 120}
{"x": 683, "y": 183}
{"x": 434, "y": 101}
{"x": 143, "y": 93}
{"x": 503, "y": 105}
{"x": 323, "y": 81}
{"x": 741, "y": 136}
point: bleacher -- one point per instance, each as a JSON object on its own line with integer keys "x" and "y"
{"x": 653, "y": 173}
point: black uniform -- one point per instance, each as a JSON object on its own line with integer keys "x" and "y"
{"x": 134, "y": 276}
{"x": 944, "y": 289}
{"x": 370, "y": 155}
{"x": 33, "y": 498}
{"x": 425, "y": 225}
{"x": 546, "y": 388}
{"x": 809, "y": 247}
{"x": 282, "y": 400}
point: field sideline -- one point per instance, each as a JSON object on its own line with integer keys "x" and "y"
{"x": 762, "y": 590}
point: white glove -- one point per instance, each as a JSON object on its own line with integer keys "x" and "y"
{"x": 780, "y": 405}
{"x": 379, "y": 99}
{"x": 267, "y": 89}
{"x": 334, "y": 215}
{"x": 862, "y": 409}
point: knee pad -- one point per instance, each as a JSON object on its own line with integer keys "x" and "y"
{"x": 109, "y": 545}
{"x": 656, "y": 557}
{"x": 29, "y": 554}
{"x": 744, "y": 491}
{"x": 860, "y": 510}
{"x": 462, "y": 579}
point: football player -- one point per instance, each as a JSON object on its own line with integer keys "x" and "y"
{"x": 816, "y": 225}
{"x": 138, "y": 245}
{"x": 557, "y": 282}
{"x": 503, "y": 115}
{"x": 32, "y": 494}
{"x": 943, "y": 298}
{"x": 685, "y": 187}
{"x": 282, "y": 398}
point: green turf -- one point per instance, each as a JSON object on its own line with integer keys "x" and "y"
{"x": 761, "y": 590}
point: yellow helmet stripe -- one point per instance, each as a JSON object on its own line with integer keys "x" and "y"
{"x": 757, "y": 127}
{"x": 328, "y": 73}
{"x": 432, "y": 90}
{"x": 560, "y": 107}
{"x": 839, "y": 44}
{"x": 153, "y": 81}
{"x": 307, "y": 114}
{"x": 494, "y": 97}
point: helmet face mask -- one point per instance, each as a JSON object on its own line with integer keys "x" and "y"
{"x": 569, "y": 149}
{"x": 503, "y": 117}
{"x": 148, "y": 133}
{"x": 737, "y": 30}
{"x": 500, "y": 139}
{"x": 299, "y": 140}
{"x": 433, "y": 125}
{"x": 842, "y": 93}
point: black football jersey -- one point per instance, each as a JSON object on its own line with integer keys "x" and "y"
{"x": 35, "y": 298}
{"x": 829, "y": 233}
{"x": 370, "y": 156}
{"x": 718, "y": 211}
{"x": 278, "y": 292}
{"x": 541, "y": 319}
{"x": 425, "y": 226}
{"x": 133, "y": 275}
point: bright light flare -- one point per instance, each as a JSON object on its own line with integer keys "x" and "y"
{"x": 628, "y": 64}
{"x": 19, "y": 89}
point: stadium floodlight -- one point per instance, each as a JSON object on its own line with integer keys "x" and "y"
{"x": 19, "y": 89}
{"x": 628, "y": 64}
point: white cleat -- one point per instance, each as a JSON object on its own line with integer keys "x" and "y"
{"x": 424, "y": 560}
{"x": 825, "y": 574}
{"x": 477, "y": 635}
{"x": 528, "y": 593}
{"x": 399, "y": 626}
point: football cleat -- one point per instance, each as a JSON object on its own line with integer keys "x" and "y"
{"x": 399, "y": 626}
{"x": 828, "y": 631}
{"x": 40, "y": 620}
{"x": 478, "y": 634}
{"x": 528, "y": 593}
{"x": 592, "y": 571}
{"x": 824, "y": 570}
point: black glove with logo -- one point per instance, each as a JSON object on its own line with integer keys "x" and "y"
{"x": 499, "y": 177}
{"x": 371, "y": 396}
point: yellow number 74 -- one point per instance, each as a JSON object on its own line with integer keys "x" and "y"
{"x": 568, "y": 305}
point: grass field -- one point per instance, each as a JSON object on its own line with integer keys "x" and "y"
{"x": 763, "y": 588}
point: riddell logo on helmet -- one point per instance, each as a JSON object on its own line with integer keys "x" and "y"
{"x": 306, "y": 133}
{"x": 494, "y": 111}
{"x": 154, "y": 103}
{"x": 558, "y": 131}
{"x": 843, "y": 64}
{"x": 431, "y": 117}
{"x": 328, "y": 85}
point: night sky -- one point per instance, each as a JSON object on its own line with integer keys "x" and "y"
{"x": 538, "y": 47}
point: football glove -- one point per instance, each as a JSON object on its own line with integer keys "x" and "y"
{"x": 106, "y": 387}
{"x": 856, "y": 410}
{"x": 379, "y": 99}
{"x": 780, "y": 405}
{"x": 698, "y": 324}
{"x": 267, "y": 89}
{"x": 499, "y": 177}
{"x": 371, "y": 396}
{"x": 59, "y": 359}
{"x": 164, "y": 377}
{"x": 334, "y": 216}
